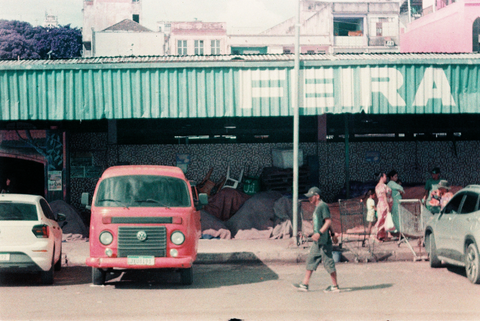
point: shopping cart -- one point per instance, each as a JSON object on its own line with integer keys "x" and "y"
{"x": 413, "y": 217}
{"x": 354, "y": 231}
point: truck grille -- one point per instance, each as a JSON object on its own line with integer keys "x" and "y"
{"x": 130, "y": 244}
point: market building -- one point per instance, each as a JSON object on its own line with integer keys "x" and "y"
{"x": 65, "y": 121}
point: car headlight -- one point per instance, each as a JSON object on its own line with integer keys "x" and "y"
{"x": 106, "y": 238}
{"x": 177, "y": 238}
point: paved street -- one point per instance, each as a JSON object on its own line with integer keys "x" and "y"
{"x": 378, "y": 291}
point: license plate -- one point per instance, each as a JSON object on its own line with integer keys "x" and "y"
{"x": 4, "y": 257}
{"x": 140, "y": 260}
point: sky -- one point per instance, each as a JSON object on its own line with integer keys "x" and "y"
{"x": 241, "y": 16}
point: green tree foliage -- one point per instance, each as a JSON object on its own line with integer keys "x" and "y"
{"x": 19, "y": 40}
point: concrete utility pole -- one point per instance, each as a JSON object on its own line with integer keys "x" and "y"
{"x": 296, "y": 124}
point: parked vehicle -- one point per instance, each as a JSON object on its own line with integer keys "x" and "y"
{"x": 143, "y": 217}
{"x": 30, "y": 237}
{"x": 453, "y": 235}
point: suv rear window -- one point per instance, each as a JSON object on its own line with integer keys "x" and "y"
{"x": 18, "y": 212}
{"x": 143, "y": 191}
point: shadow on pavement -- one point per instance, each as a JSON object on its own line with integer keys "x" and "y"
{"x": 369, "y": 287}
{"x": 67, "y": 276}
{"x": 206, "y": 276}
{"x": 457, "y": 270}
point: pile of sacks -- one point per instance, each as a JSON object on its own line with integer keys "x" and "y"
{"x": 233, "y": 214}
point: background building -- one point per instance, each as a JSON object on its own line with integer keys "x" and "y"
{"x": 330, "y": 27}
{"x": 194, "y": 37}
{"x": 443, "y": 26}
{"x": 98, "y": 15}
{"x": 51, "y": 21}
{"x": 127, "y": 38}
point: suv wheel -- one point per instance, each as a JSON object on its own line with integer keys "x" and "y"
{"x": 432, "y": 252}
{"x": 472, "y": 264}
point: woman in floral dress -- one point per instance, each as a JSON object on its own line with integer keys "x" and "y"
{"x": 384, "y": 205}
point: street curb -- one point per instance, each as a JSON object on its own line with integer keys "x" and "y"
{"x": 75, "y": 254}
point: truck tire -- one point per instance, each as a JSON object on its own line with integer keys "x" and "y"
{"x": 186, "y": 276}
{"x": 98, "y": 276}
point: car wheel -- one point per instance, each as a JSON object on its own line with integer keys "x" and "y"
{"x": 432, "y": 253}
{"x": 98, "y": 276}
{"x": 186, "y": 276}
{"x": 58, "y": 265}
{"x": 47, "y": 276}
{"x": 472, "y": 264}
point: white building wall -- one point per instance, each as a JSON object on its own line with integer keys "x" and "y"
{"x": 101, "y": 14}
{"x": 128, "y": 44}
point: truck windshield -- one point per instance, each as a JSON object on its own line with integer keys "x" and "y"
{"x": 142, "y": 191}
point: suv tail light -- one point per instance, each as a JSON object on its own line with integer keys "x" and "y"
{"x": 41, "y": 231}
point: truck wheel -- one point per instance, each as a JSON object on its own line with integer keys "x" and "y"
{"x": 186, "y": 276}
{"x": 472, "y": 264}
{"x": 98, "y": 276}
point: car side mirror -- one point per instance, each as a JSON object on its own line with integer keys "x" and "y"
{"x": 86, "y": 200}
{"x": 61, "y": 217}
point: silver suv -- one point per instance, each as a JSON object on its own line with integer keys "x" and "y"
{"x": 453, "y": 235}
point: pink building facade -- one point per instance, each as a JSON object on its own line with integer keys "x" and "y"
{"x": 451, "y": 27}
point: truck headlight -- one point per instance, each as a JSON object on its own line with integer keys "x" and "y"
{"x": 177, "y": 238}
{"x": 106, "y": 238}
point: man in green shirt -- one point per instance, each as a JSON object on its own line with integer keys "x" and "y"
{"x": 430, "y": 186}
{"x": 321, "y": 250}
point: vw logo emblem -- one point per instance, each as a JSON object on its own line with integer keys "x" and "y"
{"x": 141, "y": 236}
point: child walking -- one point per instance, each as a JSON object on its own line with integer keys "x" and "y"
{"x": 370, "y": 203}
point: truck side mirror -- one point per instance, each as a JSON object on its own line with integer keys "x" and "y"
{"x": 202, "y": 201}
{"x": 203, "y": 198}
{"x": 85, "y": 200}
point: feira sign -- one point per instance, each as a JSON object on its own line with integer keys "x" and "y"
{"x": 371, "y": 89}
{"x": 193, "y": 90}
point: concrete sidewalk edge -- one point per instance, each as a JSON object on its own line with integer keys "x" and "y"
{"x": 270, "y": 251}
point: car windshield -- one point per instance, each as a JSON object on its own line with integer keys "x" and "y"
{"x": 142, "y": 191}
{"x": 10, "y": 211}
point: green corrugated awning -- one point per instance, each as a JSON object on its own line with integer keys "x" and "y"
{"x": 244, "y": 87}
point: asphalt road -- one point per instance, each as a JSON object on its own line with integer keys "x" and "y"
{"x": 377, "y": 291}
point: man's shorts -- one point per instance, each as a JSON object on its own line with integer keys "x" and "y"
{"x": 321, "y": 253}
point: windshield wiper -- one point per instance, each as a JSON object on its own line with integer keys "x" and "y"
{"x": 151, "y": 200}
{"x": 116, "y": 201}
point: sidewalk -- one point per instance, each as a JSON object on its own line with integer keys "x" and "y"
{"x": 271, "y": 251}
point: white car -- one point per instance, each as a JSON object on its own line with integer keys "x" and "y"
{"x": 30, "y": 237}
{"x": 453, "y": 235}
